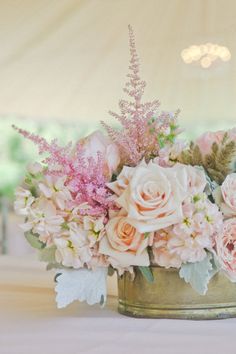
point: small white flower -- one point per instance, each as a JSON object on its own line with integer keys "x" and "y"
{"x": 54, "y": 188}
{"x": 23, "y": 202}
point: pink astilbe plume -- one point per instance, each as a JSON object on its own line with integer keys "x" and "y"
{"x": 84, "y": 175}
{"x": 143, "y": 131}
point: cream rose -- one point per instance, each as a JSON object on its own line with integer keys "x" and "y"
{"x": 153, "y": 198}
{"x": 225, "y": 196}
{"x": 124, "y": 243}
{"x": 226, "y": 248}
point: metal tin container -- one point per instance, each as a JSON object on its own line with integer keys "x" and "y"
{"x": 170, "y": 297}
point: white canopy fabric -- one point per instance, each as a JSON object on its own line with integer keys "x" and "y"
{"x": 67, "y": 59}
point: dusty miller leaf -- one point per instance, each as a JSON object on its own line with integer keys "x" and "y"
{"x": 199, "y": 274}
{"x": 81, "y": 284}
{"x": 47, "y": 255}
{"x": 34, "y": 241}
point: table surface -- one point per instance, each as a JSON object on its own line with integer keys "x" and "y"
{"x": 30, "y": 323}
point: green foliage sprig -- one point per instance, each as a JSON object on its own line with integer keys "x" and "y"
{"x": 218, "y": 164}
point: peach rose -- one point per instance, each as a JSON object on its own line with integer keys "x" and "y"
{"x": 124, "y": 243}
{"x": 225, "y": 196}
{"x": 153, "y": 198}
{"x": 97, "y": 142}
{"x": 206, "y": 140}
{"x": 226, "y": 248}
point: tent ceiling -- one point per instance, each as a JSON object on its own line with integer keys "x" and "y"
{"x": 68, "y": 59}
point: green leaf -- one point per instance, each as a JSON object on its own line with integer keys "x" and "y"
{"x": 48, "y": 254}
{"x": 199, "y": 274}
{"x": 54, "y": 266}
{"x": 34, "y": 241}
{"x": 147, "y": 273}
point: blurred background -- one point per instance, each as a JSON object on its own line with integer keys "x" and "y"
{"x": 63, "y": 66}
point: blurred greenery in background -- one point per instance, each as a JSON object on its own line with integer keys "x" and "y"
{"x": 16, "y": 152}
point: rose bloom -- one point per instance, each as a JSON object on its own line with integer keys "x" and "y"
{"x": 124, "y": 243}
{"x": 226, "y": 248}
{"x": 153, "y": 198}
{"x": 98, "y": 143}
{"x": 122, "y": 180}
{"x": 206, "y": 140}
{"x": 225, "y": 196}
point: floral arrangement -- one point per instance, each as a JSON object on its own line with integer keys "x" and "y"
{"x": 135, "y": 197}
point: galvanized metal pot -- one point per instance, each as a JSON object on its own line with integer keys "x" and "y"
{"x": 170, "y": 297}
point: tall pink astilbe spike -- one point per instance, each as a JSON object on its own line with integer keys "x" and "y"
{"x": 141, "y": 125}
{"x": 84, "y": 176}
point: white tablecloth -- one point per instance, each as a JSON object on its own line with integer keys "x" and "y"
{"x": 30, "y": 323}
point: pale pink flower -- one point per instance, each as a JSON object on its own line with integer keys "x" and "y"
{"x": 168, "y": 155}
{"x": 23, "y": 202}
{"x": 206, "y": 140}
{"x": 44, "y": 220}
{"x": 73, "y": 250}
{"x": 225, "y": 196}
{"x": 196, "y": 180}
{"x": 78, "y": 245}
{"x": 226, "y": 248}
{"x": 188, "y": 240}
{"x": 99, "y": 143}
{"x": 95, "y": 229}
{"x": 162, "y": 255}
{"x": 35, "y": 168}
{"x": 154, "y": 196}
{"x": 124, "y": 243}
{"x": 53, "y": 187}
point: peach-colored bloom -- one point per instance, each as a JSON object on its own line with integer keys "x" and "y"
{"x": 154, "y": 196}
{"x": 226, "y": 248}
{"x": 124, "y": 243}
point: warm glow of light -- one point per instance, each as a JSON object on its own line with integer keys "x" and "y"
{"x": 205, "y": 54}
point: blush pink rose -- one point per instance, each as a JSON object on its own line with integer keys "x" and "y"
{"x": 226, "y": 248}
{"x": 196, "y": 180}
{"x": 206, "y": 140}
{"x": 99, "y": 143}
{"x": 228, "y": 189}
{"x": 225, "y": 196}
{"x": 124, "y": 243}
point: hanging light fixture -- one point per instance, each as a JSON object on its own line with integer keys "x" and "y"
{"x": 205, "y": 54}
